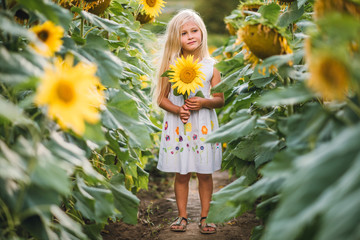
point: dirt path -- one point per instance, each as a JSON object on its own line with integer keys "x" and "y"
{"x": 156, "y": 216}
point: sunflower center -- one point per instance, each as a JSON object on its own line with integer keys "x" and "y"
{"x": 65, "y": 92}
{"x": 43, "y": 35}
{"x": 151, "y": 3}
{"x": 187, "y": 75}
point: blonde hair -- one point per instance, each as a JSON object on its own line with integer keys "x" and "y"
{"x": 172, "y": 47}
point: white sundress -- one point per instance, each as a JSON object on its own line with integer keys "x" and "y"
{"x": 189, "y": 153}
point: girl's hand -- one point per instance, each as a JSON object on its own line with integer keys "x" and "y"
{"x": 195, "y": 103}
{"x": 184, "y": 113}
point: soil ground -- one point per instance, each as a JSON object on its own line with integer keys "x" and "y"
{"x": 158, "y": 209}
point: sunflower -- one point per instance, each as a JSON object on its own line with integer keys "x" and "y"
{"x": 144, "y": 81}
{"x": 322, "y": 7}
{"x": 185, "y": 75}
{"x": 152, "y": 7}
{"x": 329, "y": 76}
{"x": 285, "y": 2}
{"x": 72, "y": 94}
{"x": 231, "y": 29}
{"x": 143, "y": 18}
{"x": 261, "y": 41}
{"x": 98, "y": 7}
{"x": 250, "y": 6}
{"x": 50, "y": 37}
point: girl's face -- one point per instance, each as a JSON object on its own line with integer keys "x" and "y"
{"x": 191, "y": 37}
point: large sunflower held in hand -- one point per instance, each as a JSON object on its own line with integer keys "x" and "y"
{"x": 186, "y": 76}
{"x": 72, "y": 94}
{"x": 152, "y": 7}
{"x": 50, "y": 36}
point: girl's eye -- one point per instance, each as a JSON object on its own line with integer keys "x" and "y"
{"x": 183, "y": 34}
{"x": 195, "y": 30}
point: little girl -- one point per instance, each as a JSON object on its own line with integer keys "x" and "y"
{"x": 186, "y": 152}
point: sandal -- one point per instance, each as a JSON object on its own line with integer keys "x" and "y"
{"x": 178, "y": 222}
{"x": 207, "y": 225}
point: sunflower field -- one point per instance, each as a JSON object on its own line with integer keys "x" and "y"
{"x": 76, "y": 130}
{"x": 291, "y": 122}
{"x": 78, "y": 127}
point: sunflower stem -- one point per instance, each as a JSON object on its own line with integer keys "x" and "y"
{"x": 266, "y": 129}
{"x": 137, "y": 11}
{"x": 269, "y": 120}
{"x": 290, "y": 107}
{"x": 77, "y": 18}
{"x": 7, "y": 92}
{"x": 280, "y": 78}
{"x": 353, "y": 107}
{"x": 82, "y": 27}
{"x": 89, "y": 31}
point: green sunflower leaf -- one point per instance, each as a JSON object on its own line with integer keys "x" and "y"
{"x": 166, "y": 73}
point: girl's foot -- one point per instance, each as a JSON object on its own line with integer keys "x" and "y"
{"x": 179, "y": 225}
{"x": 206, "y": 228}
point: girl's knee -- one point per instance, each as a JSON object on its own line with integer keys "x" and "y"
{"x": 204, "y": 177}
{"x": 180, "y": 178}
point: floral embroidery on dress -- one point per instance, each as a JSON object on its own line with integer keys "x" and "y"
{"x": 202, "y": 148}
{"x": 212, "y": 125}
{"x": 167, "y": 138}
{"x": 166, "y": 125}
{"x": 180, "y": 139}
{"x": 204, "y": 130}
{"x": 177, "y": 130}
{"x": 188, "y": 127}
{"x": 194, "y": 137}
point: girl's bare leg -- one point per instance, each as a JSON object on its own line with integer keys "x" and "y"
{"x": 205, "y": 192}
{"x": 181, "y": 187}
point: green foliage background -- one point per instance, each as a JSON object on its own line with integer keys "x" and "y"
{"x": 296, "y": 155}
{"x": 55, "y": 184}
{"x": 213, "y": 13}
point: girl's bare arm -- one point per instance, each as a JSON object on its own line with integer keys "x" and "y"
{"x": 181, "y": 111}
{"x": 217, "y": 101}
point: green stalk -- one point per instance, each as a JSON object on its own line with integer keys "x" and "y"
{"x": 8, "y": 216}
{"x": 8, "y": 94}
{"x": 290, "y": 108}
{"x": 269, "y": 120}
{"x": 186, "y": 96}
{"x": 280, "y": 78}
{"x": 353, "y": 107}
{"x": 89, "y": 31}
{"x": 267, "y": 129}
{"x": 82, "y": 27}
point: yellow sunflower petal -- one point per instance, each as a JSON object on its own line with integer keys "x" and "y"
{"x": 152, "y": 7}
{"x": 50, "y": 36}
{"x": 70, "y": 94}
{"x": 186, "y": 75}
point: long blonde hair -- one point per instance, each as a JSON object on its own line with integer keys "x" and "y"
{"x": 172, "y": 47}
